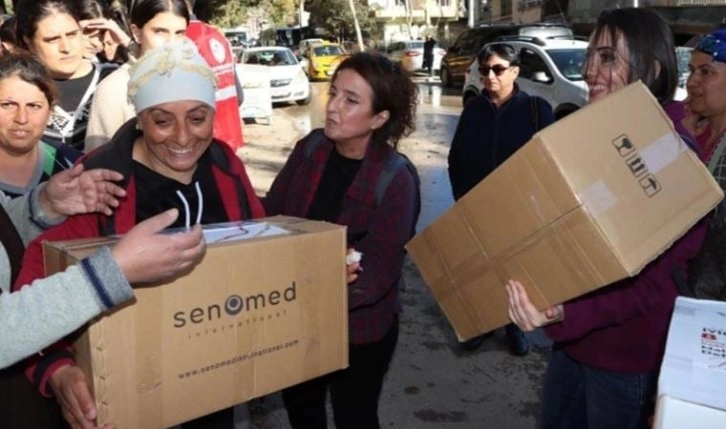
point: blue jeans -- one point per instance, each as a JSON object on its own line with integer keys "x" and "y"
{"x": 576, "y": 396}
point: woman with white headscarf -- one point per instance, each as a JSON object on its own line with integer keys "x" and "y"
{"x": 169, "y": 159}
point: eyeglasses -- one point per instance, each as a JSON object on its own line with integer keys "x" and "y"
{"x": 498, "y": 69}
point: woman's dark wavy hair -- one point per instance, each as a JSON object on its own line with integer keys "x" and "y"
{"x": 25, "y": 66}
{"x": 30, "y": 12}
{"x": 393, "y": 90}
{"x": 650, "y": 42}
{"x": 8, "y": 31}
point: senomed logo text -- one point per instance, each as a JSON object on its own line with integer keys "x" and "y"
{"x": 233, "y": 306}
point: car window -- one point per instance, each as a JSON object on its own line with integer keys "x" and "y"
{"x": 482, "y": 37}
{"x": 270, "y": 58}
{"x": 569, "y": 62}
{"x": 533, "y": 67}
{"x": 414, "y": 45}
{"x": 327, "y": 51}
{"x": 467, "y": 42}
{"x": 683, "y": 57}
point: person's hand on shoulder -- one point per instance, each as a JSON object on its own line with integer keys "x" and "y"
{"x": 525, "y": 315}
{"x": 76, "y": 191}
{"x": 145, "y": 254}
{"x": 77, "y": 404}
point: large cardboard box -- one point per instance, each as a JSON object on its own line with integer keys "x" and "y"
{"x": 672, "y": 413}
{"x": 256, "y": 315}
{"x": 693, "y": 374}
{"x": 588, "y": 201}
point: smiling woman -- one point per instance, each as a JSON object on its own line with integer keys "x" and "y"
{"x": 169, "y": 159}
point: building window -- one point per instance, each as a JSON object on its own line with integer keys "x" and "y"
{"x": 443, "y": 3}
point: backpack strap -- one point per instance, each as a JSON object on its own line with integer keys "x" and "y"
{"x": 394, "y": 163}
{"x": 317, "y": 137}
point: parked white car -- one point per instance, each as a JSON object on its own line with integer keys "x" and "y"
{"x": 549, "y": 68}
{"x": 288, "y": 81}
{"x": 410, "y": 54}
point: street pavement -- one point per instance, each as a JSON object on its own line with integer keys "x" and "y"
{"x": 433, "y": 382}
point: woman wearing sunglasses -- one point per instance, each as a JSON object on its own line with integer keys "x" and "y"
{"x": 491, "y": 128}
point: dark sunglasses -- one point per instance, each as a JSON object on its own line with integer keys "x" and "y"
{"x": 498, "y": 69}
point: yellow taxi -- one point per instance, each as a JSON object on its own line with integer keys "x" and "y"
{"x": 323, "y": 58}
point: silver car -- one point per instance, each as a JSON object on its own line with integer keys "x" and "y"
{"x": 410, "y": 54}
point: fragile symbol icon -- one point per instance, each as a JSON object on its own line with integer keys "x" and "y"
{"x": 650, "y": 185}
{"x": 624, "y": 145}
{"x": 637, "y": 166}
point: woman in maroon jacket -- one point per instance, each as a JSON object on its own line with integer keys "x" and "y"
{"x": 333, "y": 175}
{"x": 608, "y": 345}
{"x": 169, "y": 159}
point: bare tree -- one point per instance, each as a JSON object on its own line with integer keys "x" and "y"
{"x": 409, "y": 18}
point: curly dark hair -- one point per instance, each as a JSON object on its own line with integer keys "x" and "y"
{"x": 393, "y": 90}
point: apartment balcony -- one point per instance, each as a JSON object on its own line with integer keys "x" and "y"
{"x": 420, "y": 10}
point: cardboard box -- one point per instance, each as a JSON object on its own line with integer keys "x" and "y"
{"x": 693, "y": 374}
{"x": 672, "y": 413}
{"x": 254, "y": 316}
{"x": 588, "y": 201}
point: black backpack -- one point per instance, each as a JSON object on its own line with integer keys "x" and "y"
{"x": 394, "y": 163}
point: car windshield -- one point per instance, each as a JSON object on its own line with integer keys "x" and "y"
{"x": 683, "y": 56}
{"x": 569, "y": 62}
{"x": 415, "y": 45}
{"x": 236, "y": 38}
{"x": 270, "y": 58}
{"x": 328, "y": 51}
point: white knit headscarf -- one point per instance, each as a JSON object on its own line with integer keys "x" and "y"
{"x": 172, "y": 72}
